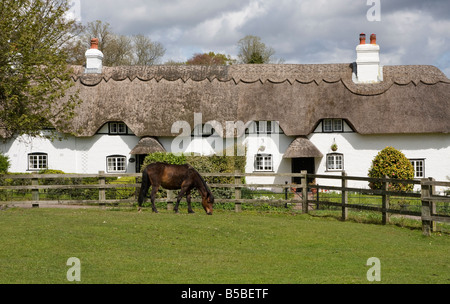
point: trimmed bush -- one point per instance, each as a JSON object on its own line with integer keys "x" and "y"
{"x": 163, "y": 157}
{"x": 392, "y": 163}
{"x": 4, "y": 163}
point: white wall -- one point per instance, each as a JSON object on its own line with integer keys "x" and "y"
{"x": 359, "y": 151}
{"x": 88, "y": 155}
{"x": 71, "y": 155}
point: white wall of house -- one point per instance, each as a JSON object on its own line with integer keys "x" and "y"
{"x": 89, "y": 155}
{"x": 71, "y": 154}
{"x": 358, "y": 151}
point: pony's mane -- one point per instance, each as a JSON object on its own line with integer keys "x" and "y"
{"x": 202, "y": 180}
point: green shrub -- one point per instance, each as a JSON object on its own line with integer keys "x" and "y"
{"x": 392, "y": 163}
{"x": 4, "y": 163}
{"x": 163, "y": 157}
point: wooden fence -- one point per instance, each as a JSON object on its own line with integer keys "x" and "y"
{"x": 302, "y": 198}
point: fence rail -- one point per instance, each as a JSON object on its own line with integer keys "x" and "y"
{"x": 301, "y": 198}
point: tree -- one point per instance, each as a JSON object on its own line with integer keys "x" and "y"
{"x": 119, "y": 51}
{"x": 210, "y": 58}
{"x": 253, "y": 50}
{"x": 33, "y": 70}
{"x": 391, "y": 163}
{"x": 146, "y": 52}
{"x": 100, "y": 30}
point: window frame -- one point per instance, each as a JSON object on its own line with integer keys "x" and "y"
{"x": 262, "y": 127}
{"x": 335, "y": 162}
{"x": 263, "y": 162}
{"x": 203, "y": 130}
{"x": 332, "y": 125}
{"x": 115, "y": 168}
{"x": 115, "y": 126}
{"x": 39, "y": 155}
{"x": 414, "y": 162}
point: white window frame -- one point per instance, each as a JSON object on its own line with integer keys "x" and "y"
{"x": 203, "y": 130}
{"x": 419, "y": 167}
{"x": 37, "y": 161}
{"x": 264, "y": 163}
{"x": 335, "y": 162}
{"x": 330, "y": 125}
{"x": 118, "y": 128}
{"x": 116, "y": 164}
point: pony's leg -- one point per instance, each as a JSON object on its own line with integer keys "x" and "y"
{"x": 188, "y": 199}
{"x": 152, "y": 197}
{"x": 180, "y": 195}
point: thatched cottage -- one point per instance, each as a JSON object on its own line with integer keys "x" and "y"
{"x": 324, "y": 118}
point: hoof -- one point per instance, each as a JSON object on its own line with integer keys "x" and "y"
{"x": 209, "y": 213}
{"x": 191, "y": 212}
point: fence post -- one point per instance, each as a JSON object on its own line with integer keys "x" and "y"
{"x": 237, "y": 191}
{"x": 304, "y": 184}
{"x": 170, "y": 199}
{"x": 35, "y": 193}
{"x": 344, "y": 198}
{"x": 101, "y": 191}
{"x": 433, "y": 204}
{"x": 317, "y": 198}
{"x": 427, "y": 207}
{"x": 385, "y": 216}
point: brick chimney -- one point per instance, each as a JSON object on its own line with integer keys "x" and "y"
{"x": 94, "y": 58}
{"x": 368, "y": 60}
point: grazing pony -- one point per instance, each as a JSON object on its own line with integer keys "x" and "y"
{"x": 173, "y": 177}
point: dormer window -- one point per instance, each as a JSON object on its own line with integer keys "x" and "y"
{"x": 117, "y": 128}
{"x": 263, "y": 127}
{"x": 332, "y": 125}
{"x": 203, "y": 130}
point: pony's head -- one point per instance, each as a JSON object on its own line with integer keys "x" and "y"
{"x": 207, "y": 202}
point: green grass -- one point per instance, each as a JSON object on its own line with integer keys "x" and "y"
{"x": 124, "y": 246}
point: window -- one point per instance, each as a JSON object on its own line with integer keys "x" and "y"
{"x": 116, "y": 164}
{"x": 263, "y": 162}
{"x": 335, "y": 162}
{"x": 118, "y": 128}
{"x": 203, "y": 130}
{"x": 333, "y": 125}
{"x": 37, "y": 161}
{"x": 263, "y": 127}
{"x": 419, "y": 167}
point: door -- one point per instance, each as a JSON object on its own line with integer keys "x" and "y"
{"x": 300, "y": 164}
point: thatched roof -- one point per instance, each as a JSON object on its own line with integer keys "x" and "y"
{"x": 302, "y": 147}
{"x": 411, "y": 99}
{"x": 148, "y": 145}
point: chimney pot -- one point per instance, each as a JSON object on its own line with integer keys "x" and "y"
{"x": 362, "y": 38}
{"x": 373, "y": 39}
{"x": 94, "y": 43}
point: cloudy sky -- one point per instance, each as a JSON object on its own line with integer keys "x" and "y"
{"x": 300, "y": 31}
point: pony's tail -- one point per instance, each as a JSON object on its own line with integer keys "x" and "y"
{"x": 144, "y": 187}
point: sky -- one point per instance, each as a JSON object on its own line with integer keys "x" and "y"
{"x": 300, "y": 31}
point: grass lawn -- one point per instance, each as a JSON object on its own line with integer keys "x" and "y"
{"x": 250, "y": 247}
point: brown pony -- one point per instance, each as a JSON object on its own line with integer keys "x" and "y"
{"x": 173, "y": 177}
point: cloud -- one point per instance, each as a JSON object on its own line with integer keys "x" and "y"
{"x": 308, "y": 31}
